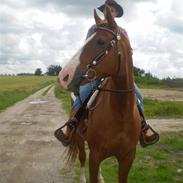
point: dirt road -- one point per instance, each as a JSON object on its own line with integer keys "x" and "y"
{"x": 29, "y": 153}
{"x": 159, "y": 94}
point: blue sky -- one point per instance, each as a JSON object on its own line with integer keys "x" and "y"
{"x": 37, "y": 33}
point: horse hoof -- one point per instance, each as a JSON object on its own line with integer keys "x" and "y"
{"x": 82, "y": 179}
{"x": 101, "y": 180}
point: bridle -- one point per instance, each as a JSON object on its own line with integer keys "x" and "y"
{"x": 100, "y": 57}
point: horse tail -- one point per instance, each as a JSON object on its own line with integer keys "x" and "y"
{"x": 77, "y": 145}
{"x": 72, "y": 150}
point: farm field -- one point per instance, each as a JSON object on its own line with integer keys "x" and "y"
{"x": 155, "y": 104}
{"x": 16, "y": 88}
{"x": 162, "y": 162}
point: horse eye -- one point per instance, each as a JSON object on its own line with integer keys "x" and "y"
{"x": 100, "y": 42}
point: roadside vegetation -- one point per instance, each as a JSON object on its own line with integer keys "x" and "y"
{"x": 153, "y": 108}
{"x": 160, "y": 163}
{"x": 46, "y": 91}
{"x": 147, "y": 80}
{"x": 163, "y": 109}
{"x": 16, "y": 88}
{"x": 60, "y": 93}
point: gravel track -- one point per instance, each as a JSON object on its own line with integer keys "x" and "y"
{"x": 29, "y": 152}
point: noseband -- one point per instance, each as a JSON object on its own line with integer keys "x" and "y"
{"x": 100, "y": 57}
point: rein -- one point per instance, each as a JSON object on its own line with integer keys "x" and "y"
{"x": 115, "y": 90}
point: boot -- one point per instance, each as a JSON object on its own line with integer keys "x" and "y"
{"x": 148, "y": 136}
{"x": 65, "y": 138}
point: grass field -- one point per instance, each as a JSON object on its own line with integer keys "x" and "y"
{"x": 64, "y": 96}
{"x": 16, "y": 88}
{"x": 153, "y": 108}
{"x": 160, "y": 163}
{"x": 163, "y": 109}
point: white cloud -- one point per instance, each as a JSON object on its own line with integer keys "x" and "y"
{"x": 39, "y": 33}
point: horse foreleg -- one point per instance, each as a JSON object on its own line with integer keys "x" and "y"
{"x": 94, "y": 163}
{"x": 125, "y": 164}
{"x": 82, "y": 158}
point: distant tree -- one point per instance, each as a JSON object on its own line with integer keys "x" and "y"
{"x": 53, "y": 70}
{"x": 148, "y": 74}
{"x": 138, "y": 71}
{"x": 38, "y": 72}
{"x": 25, "y": 74}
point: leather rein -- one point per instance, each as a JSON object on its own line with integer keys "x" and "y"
{"x": 100, "y": 57}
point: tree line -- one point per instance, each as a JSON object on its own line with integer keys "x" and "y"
{"x": 141, "y": 77}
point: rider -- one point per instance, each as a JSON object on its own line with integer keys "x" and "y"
{"x": 148, "y": 135}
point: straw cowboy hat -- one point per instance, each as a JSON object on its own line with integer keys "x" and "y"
{"x": 114, "y": 4}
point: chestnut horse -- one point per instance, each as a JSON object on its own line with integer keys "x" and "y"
{"x": 114, "y": 125}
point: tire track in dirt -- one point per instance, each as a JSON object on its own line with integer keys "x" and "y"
{"x": 29, "y": 152}
{"x": 160, "y": 94}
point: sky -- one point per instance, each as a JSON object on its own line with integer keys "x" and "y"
{"x": 38, "y": 33}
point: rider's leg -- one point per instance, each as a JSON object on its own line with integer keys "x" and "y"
{"x": 76, "y": 112}
{"x": 148, "y": 135}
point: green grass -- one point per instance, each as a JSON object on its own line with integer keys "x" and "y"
{"x": 16, "y": 88}
{"x": 163, "y": 109}
{"x": 46, "y": 91}
{"x": 64, "y": 96}
{"x": 148, "y": 82}
{"x": 156, "y": 83}
{"x": 160, "y": 163}
{"x": 153, "y": 108}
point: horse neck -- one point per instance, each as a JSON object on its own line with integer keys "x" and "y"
{"x": 123, "y": 80}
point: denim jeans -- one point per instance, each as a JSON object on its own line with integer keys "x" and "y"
{"x": 86, "y": 90}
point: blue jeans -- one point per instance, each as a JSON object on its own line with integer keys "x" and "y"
{"x": 86, "y": 90}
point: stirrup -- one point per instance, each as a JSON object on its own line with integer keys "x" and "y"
{"x": 59, "y": 134}
{"x": 144, "y": 143}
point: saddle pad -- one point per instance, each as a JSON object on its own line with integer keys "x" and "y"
{"x": 94, "y": 95}
{"x": 92, "y": 98}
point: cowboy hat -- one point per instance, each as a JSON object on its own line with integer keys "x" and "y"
{"x": 114, "y": 4}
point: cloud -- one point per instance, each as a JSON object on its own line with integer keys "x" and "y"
{"x": 42, "y": 32}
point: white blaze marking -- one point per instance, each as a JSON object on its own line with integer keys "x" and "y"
{"x": 71, "y": 66}
{"x": 74, "y": 62}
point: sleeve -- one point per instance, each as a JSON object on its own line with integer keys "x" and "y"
{"x": 91, "y": 30}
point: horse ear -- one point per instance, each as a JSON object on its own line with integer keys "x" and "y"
{"x": 98, "y": 20}
{"x": 109, "y": 17}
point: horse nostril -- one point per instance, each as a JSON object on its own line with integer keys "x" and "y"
{"x": 66, "y": 78}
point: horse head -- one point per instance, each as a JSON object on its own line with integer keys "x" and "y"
{"x": 98, "y": 58}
